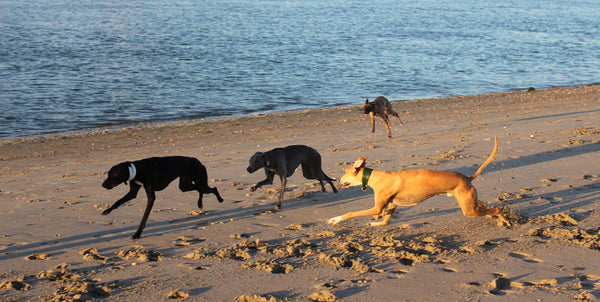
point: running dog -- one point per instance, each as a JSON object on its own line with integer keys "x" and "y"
{"x": 155, "y": 174}
{"x": 380, "y": 107}
{"x": 411, "y": 187}
{"x": 284, "y": 161}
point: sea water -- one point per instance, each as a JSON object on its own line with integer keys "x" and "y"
{"x": 81, "y": 64}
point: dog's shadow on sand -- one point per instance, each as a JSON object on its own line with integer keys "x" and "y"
{"x": 60, "y": 245}
{"x": 542, "y": 157}
{"x": 573, "y": 197}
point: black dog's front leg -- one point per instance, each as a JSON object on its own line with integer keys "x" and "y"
{"x": 151, "y": 198}
{"x": 133, "y": 190}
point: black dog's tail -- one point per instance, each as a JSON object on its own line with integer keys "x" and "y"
{"x": 487, "y": 161}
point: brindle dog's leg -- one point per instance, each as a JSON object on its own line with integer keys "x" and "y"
{"x": 372, "y": 116}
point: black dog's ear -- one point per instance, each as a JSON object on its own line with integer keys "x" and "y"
{"x": 367, "y": 102}
{"x": 266, "y": 159}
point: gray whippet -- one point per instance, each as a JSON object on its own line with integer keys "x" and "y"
{"x": 284, "y": 161}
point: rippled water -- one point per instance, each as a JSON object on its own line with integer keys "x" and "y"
{"x": 77, "y": 64}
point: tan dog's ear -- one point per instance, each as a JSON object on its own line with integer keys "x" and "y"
{"x": 358, "y": 164}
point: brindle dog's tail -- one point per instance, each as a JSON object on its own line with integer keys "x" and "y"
{"x": 487, "y": 161}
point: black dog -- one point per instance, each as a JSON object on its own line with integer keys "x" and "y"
{"x": 284, "y": 161}
{"x": 155, "y": 174}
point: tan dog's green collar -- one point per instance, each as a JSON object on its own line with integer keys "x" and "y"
{"x": 365, "y": 177}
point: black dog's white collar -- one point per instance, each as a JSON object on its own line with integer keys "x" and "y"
{"x": 133, "y": 173}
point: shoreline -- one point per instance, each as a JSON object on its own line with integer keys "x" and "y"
{"x": 141, "y": 125}
{"x": 55, "y": 244}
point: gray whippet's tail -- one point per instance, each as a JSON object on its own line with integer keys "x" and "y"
{"x": 487, "y": 161}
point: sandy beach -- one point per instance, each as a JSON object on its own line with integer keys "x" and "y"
{"x": 56, "y": 246}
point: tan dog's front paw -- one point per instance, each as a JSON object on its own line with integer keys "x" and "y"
{"x": 334, "y": 220}
{"x": 377, "y": 223}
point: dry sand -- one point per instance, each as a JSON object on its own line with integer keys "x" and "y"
{"x": 56, "y": 246}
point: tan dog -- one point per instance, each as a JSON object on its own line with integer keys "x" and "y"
{"x": 380, "y": 107}
{"x": 409, "y": 188}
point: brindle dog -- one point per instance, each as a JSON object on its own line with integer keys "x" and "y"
{"x": 380, "y": 107}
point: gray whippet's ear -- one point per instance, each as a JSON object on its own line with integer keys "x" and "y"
{"x": 266, "y": 159}
{"x": 359, "y": 164}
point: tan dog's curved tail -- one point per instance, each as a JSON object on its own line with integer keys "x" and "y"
{"x": 487, "y": 161}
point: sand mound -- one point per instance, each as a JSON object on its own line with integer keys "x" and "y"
{"x": 80, "y": 291}
{"x": 322, "y": 296}
{"x": 255, "y": 298}
{"x": 17, "y": 284}
{"x": 72, "y": 287}
{"x": 139, "y": 253}
{"x": 564, "y": 227}
{"x": 40, "y": 256}
{"x": 177, "y": 295}
{"x": 60, "y": 272}
{"x": 91, "y": 254}
{"x": 270, "y": 266}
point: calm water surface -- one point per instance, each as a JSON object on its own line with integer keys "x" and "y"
{"x": 79, "y": 64}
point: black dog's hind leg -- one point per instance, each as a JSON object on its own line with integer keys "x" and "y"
{"x": 151, "y": 198}
{"x": 133, "y": 190}
{"x": 205, "y": 189}
{"x": 187, "y": 184}
{"x": 215, "y": 192}
{"x": 329, "y": 181}
{"x": 200, "y": 184}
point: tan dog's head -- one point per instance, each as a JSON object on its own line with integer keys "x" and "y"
{"x": 353, "y": 174}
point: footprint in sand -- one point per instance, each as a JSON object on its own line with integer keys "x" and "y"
{"x": 185, "y": 241}
{"x": 177, "y": 295}
{"x": 524, "y": 257}
{"x": 589, "y": 281}
{"x": 548, "y": 180}
{"x": 40, "y": 256}
{"x": 398, "y": 273}
{"x": 18, "y": 284}
{"x": 91, "y": 254}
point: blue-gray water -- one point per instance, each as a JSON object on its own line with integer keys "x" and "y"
{"x": 76, "y": 64}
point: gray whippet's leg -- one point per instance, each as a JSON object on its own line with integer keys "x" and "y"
{"x": 283, "y": 182}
